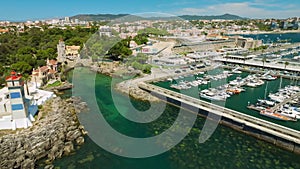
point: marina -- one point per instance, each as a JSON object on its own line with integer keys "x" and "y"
{"x": 235, "y": 88}
{"x": 256, "y": 126}
{"x": 260, "y": 111}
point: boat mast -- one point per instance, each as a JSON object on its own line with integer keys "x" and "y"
{"x": 280, "y": 82}
{"x": 266, "y": 89}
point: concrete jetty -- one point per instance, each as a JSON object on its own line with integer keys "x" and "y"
{"x": 279, "y": 135}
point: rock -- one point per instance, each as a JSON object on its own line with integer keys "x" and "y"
{"x": 52, "y": 135}
{"x": 49, "y": 167}
{"x": 71, "y": 128}
{"x": 28, "y": 164}
{"x": 73, "y": 135}
{"x": 7, "y": 163}
{"x": 79, "y": 140}
{"x": 19, "y": 161}
{"x": 69, "y": 147}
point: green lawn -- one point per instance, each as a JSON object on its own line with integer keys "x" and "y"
{"x": 55, "y": 84}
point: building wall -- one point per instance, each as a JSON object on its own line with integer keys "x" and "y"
{"x": 204, "y": 47}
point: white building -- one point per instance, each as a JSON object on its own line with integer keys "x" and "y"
{"x": 17, "y": 108}
{"x": 105, "y": 31}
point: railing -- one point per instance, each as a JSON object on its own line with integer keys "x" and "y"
{"x": 275, "y": 129}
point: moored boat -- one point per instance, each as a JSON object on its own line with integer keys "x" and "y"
{"x": 270, "y": 114}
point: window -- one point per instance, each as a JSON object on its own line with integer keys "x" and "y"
{"x": 17, "y": 107}
{"x": 15, "y": 95}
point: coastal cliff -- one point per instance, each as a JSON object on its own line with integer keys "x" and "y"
{"x": 55, "y": 133}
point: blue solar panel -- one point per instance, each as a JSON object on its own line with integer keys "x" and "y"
{"x": 15, "y": 95}
{"x": 17, "y": 107}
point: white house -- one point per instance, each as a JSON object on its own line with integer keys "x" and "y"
{"x": 17, "y": 107}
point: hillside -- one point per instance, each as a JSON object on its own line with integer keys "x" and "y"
{"x": 99, "y": 17}
{"x": 224, "y": 17}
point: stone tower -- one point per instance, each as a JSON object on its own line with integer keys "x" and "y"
{"x": 61, "y": 51}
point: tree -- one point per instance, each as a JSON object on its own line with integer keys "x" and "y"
{"x": 141, "y": 39}
{"x": 264, "y": 59}
{"x": 153, "y": 31}
{"x": 97, "y": 49}
{"x": 227, "y": 56}
{"x": 286, "y": 64}
{"x": 2, "y": 69}
{"x": 141, "y": 58}
{"x": 26, "y": 78}
{"x": 147, "y": 68}
{"x": 22, "y": 67}
{"x": 120, "y": 50}
{"x": 26, "y": 50}
{"x": 245, "y": 57}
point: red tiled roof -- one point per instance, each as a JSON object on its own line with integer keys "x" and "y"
{"x": 13, "y": 76}
{"x": 3, "y": 30}
{"x": 52, "y": 62}
{"x": 52, "y": 71}
{"x": 44, "y": 69}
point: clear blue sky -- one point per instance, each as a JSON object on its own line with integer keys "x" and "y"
{"x": 44, "y": 9}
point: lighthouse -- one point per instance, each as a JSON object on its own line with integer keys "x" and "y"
{"x": 19, "y": 105}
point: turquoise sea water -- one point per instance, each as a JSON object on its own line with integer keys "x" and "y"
{"x": 226, "y": 148}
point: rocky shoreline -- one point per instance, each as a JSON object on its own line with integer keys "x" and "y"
{"x": 129, "y": 87}
{"x": 135, "y": 92}
{"x": 55, "y": 133}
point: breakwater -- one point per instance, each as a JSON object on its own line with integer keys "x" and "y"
{"x": 279, "y": 135}
{"x": 55, "y": 133}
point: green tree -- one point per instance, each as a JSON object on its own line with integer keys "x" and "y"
{"x": 120, "y": 50}
{"x": 245, "y": 57}
{"x": 286, "y": 64}
{"x": 26, "y": 78}
{"x": 147, "y": 68}
{"x": 22, "y": 67}
{"x": 264, "y": 59}
{"x": 26, "y": 50}
{"x": 141, "y": 58}
{"x": 141, "y": 39}
{"x": 227, "y": 56}
{"x": 97, "y": 49}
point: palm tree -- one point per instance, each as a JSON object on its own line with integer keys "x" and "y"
{"x": 227, "y": 55}
{"x": 264, "y": 60}
{"x": 245, "y": 57}
{"x": 27, "y": 78}
{"x": 286, "y": 64}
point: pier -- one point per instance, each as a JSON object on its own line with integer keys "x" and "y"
{"x": 276, "y": 134}
{"x": 252, "y": 63}
{"x": 263, "y": 72}
{"x": 297, "y": 95}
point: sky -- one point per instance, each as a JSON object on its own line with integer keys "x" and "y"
{"x": 21, "y": 10}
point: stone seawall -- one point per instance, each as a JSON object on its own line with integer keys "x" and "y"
{"x": 55, "y": 133}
